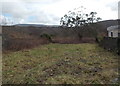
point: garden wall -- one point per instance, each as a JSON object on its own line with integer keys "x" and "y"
{"x": 112, "y": 44}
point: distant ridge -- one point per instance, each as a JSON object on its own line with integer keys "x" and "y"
{"x": 105, "y": 23}
{"x": 36, "y": 25}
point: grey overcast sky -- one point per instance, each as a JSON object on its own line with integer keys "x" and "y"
{"x": 50, "y": 11}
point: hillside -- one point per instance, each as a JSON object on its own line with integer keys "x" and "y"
{"x": 56, "y": 30}
{"x": 108, "y": 23}
{"x": 33, "y": 34}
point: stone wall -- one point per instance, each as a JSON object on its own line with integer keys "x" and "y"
{"x": 112, "y": 44}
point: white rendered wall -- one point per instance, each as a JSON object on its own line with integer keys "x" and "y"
{"x": 115, "y": 33}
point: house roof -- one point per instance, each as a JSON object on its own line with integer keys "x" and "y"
{"x": 116, "y": 27}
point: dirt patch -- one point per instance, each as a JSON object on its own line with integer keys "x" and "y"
{"x": 63, "y": 66}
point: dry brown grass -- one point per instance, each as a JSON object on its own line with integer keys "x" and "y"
{"x": 73, "y": 40}
{"x": 20, "y": 44}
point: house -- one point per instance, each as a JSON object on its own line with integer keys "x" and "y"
{"x": 114, "y": 31}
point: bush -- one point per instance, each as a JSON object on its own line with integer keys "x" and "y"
{"x": 47, "y": 36}
{"x": 99, "y": 39}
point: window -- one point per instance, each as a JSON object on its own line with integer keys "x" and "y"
{"x": 111, "y": 34}
{"x": 118, "y": 34}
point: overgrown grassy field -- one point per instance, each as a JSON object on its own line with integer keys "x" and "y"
{"x": 61, "y": 64}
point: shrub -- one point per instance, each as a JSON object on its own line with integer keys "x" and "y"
{"x": 47, "y": 36}
{"x": 99, "y": 39}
